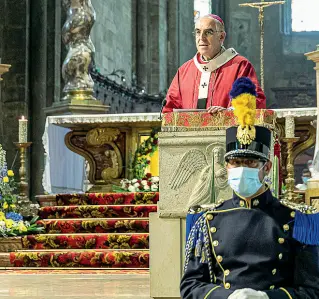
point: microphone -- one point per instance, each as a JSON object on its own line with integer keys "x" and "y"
{"x": 163, "y": 105}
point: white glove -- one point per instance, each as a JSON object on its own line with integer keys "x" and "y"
{"x": 248, "y": 294}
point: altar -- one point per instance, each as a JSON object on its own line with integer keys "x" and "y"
{"x": 94, "y": 150}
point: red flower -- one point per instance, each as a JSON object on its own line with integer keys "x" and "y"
{"x": 148, "y": 175}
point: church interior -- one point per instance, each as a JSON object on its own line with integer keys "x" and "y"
{"x": 84, "y": 143}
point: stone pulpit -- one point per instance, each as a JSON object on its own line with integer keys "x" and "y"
{"x": 191, "y": 155}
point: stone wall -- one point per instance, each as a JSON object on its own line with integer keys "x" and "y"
{"x": 285, "y": 64}
{"x": 14, "y": 92}
{"x": 112, "y": 36}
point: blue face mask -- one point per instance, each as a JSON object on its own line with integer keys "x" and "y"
{"x": 244, "y": 180}
{"x": 305, "y": 179}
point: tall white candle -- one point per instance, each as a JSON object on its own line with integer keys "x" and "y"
{"x": 23, "y": 130}
{"x": 290, "y": 126}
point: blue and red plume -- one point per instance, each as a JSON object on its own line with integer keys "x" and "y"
{"x": 243, "y": 85}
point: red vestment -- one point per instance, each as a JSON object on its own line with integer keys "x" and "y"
{"x": 183, "y": 91}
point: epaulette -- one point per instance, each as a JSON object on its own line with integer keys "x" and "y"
{"x": 306, "y": 224}
{"x": 214, "y": 206}
{"x": 301, "y": 207}
{"x": 205, "y": 208}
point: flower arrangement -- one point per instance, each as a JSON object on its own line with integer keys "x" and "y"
{"x": 11, "y": 222}
{"x": 147, "y": 184}
{"x": 146, "y": 149}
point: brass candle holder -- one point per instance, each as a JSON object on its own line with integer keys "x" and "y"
{"x": 290, "y": 180}
{"x": 24, "y": 202}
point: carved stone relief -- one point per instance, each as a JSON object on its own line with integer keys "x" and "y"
{"x": 212, "y": 177}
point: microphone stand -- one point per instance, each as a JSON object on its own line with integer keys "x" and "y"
{"x": 163, "y": 105}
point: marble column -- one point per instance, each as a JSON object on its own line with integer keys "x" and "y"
{"x": 78, "y": 84}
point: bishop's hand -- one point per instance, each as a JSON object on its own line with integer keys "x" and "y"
{"x": 215, "y": 109}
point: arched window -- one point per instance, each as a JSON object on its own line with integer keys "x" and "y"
{"x": 304, "y": 15}
{"x": 201, "y": 8}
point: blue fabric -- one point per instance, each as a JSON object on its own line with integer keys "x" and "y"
{"x": 306, "y": 228}
{"x": 190, "y": 221}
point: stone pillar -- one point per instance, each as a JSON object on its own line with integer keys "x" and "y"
{"x": 314, "y": 56}
{"x": 157, "y": 42}
{"x": 141, "y": 44}
{"x": 168, "y": 226}
{"x": 78, "y": 88}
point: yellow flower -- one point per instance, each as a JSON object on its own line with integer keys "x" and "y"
{"x": 22, "y": 227}
{"x": 2, "y": 216}
{"x": 10, "y": 173}
{"x": 5, "y": 179}
{"x": 9, "y": 223}
{"x": 12, "y": 206}
{"x": 5, "y": 205}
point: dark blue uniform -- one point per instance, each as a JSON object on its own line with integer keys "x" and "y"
{"x": 233, "y": 246}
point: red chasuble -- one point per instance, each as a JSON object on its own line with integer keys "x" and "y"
{"x": 212, "y": 80}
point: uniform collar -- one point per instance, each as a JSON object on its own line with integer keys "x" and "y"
{"x": 261, "y": 201}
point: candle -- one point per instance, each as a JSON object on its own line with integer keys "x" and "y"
{"x": 23, "y": 130}
{"x": 290, "y": 126}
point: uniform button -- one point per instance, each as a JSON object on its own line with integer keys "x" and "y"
{"x": 256, "y": 203}
{"x": 293, "y": 214}
{"x": 213, "y": 229}
{"x": 271, "y": 287}
{"x": 219, "y": 258}
{"x": 286, "y": 227}
{"x": 280, "y": 256}
{"x": 215, "y": 243}
{"x": 242, "y": 203}
{"x": 281, "y": 240}
{"x": 226, "y": 272}
{"x": 274, "y": 272}
{"x": 209, "y": 217}
{"x": 227, "y": 286}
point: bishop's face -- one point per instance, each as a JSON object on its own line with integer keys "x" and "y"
{"x": 209, "y": 39}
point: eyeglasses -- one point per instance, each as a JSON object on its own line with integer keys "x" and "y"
{"x": 251, "y": 163}
{"x": 206, "y": 33}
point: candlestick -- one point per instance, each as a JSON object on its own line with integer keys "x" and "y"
{"x": 25, "y": 206}
{"x": 289, "y": 126}
{"x": 290, "y": 180}
{"x": 23, "y": 130}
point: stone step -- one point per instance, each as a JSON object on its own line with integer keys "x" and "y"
{"x": 81, "y": 258}
{"x": 86, "y": 241}
{"x": 97, "y": 225}
{"x": 97, "y": 211}
{"x": 125, "y": 198}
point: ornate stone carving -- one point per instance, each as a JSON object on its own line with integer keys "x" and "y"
{"x": 10, "y": 244}
{"x": 213, "y": 176}
{"x": 100, "y": 136}
{"x": 76, "y": 36}
{"x": 102, "y": 148}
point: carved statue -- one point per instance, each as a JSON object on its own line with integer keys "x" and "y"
{"x": 111, "y": 170}
{"x": 195, "y": 160}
